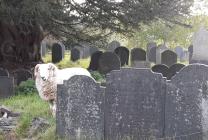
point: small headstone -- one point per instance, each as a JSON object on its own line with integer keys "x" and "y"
{"x": 152, "y": 55}
{"x": 80, "y": 109}
{"x": 4, "y": 72}
{"x": 123, "y": 54}
{"x": 179, "y": 52}
{"x": 109, "y": 61}
{"x": 6, "y": 86}
{"x": 175, "y": 68}
{"x": 149, "y": 47}
{"x": 200, "y": 46}
{"x": 76, "y": 54}
{"x": 57, "y": 53}
{"x": 21, "y": 75}
{"x": 160, "y": 68}
{"x": 187, "y": 104}
{"x": 94, "y": 62}
{"x": 168, "y": 58}
{"x": 134, "y": 105}
{"x": 138, "y": 54}
{"x": 113, "y": 45}
{"x": 159, "y": 50}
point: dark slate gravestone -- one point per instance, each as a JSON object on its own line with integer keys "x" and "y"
{"x": 57, "y": 53}
{"x": 152, "y": 55}
{"x": 76, "y": 54}
{"x": 168, "y": 58}
{"x": 80, "y": 109}
{"x": 4, "y": 72}
{"x": 187, "y": 104}
{"x": 159, "y": 50}
{"x": 21, "y": 75}
{"x": 179, "y": 51}
{"x": 137, "y": 54}
{"x": 149, "y": 47}
{"x": 190, "y": 49}
{"x": 94, "y": 62}
{"x": 113, "y": 45}
{"x": 134, "y": 105}
{"x": 174, "y": 69}
{"x": 109, "y": 61}
{"x": 160, "y": 68}
{"x": 6, "y": 86}
{"x": 123, "y": 54}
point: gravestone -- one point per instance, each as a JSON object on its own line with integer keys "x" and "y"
{"x": 200, "y": 46}
{"x": 21, "y": 75}
{"x": 152, "y": 55}
{"x": 174, "y": 69}
{"x": 80, "y": 109}
{"x": 123, "y": 54}
{"x": 76, "y": 54}
{"x": 168, "y": 58}
{"x": 190, "y": 49}
{"x": 160, "y": 68}
{"x": 179, "y": 52}
{"x": 4, "y": 72}
{"x": 159, "y": 50}
{"x": 187, "y": 104}
{"x": 94, "y": 62}
{"x": 6, "y": 86}
{"x": 63, "y": 49}
{"x": 137, "y": 54}
{"x": 109, "y": 61}
{"x": 185, "y": 56}
{"x": 149, "y": 47}
{"x": 134, "y": 101}
{"x": 57, "y": 53}
{"x": 43, "y": 48}
{"x": 113, "y": 45}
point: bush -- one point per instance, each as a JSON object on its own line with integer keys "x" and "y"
{"x": 98, "y": 76}
{"x": 26, "y": 87}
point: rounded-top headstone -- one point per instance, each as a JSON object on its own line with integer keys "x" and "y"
{"x": 168, "y": 58}
{"x": 174, "y": 69}
{"x": 160, "y": 68}
{"x": 57, "y": 53}
{"x": 4, "y": 72}
{"x": 113, "y": 45}
{"x": 138, "y": 54}
{"x": 94, "y": 62}
{"x": 109, "y": 61}
{"x": 123, "y": 54}
{"x": 76, "y": 53}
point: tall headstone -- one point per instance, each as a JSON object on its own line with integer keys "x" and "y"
{"x": 80, "y": 109}
{"x": 152, "y": 55}
{"x": 187, "y": 104}
{"x": 6, "y": 86}
{"x": 179, "y": 51}
{"x": 94, "y": 62}
{"x": 134, "y": 101}
{"x": 109, "y": 61}
{"x": 168, "y": 58}
{"x": 175, "y": 68}
{"x": 123, "y": 54}
{"x": 160, "y": 68}
{"x": 159, "y": 50}
{"x": 200, "y": 46}
{"x": 150, "y": 45}
{"x": 113, "y": 45}
{"x": 57, "y": 53}
{"x": 21, "y": 75}
{"x": 4, "y": 72}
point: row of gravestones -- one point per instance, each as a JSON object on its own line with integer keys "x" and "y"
{"x": 8, "y": 82}
{"x": 136, "y": 104}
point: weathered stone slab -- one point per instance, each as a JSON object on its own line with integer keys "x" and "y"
{"x": 152, "y": 55}
{"x": 6, "y": 86}
{"x": 94, "y": 62}
{"x": 123, "y": 54}
{"x": 187, "y": 104}
{"x": 109, "y": 61}
{"x": 134, "y": 105}
{"x": 150, "y": 45}
{"x": 160, "y": 68}
{"x": 21, "y": 75}
{"x": 168, "y": 58}
{"x": 80, "y": 109}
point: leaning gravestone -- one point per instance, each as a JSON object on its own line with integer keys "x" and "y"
{"x": 57, "y": 53}
{"x": 94, "y": 62}
{"x": 6, "y": 86}
{"x": 134, "y": 101}
{"x": 174, "y": 69}
{"x": 187, "y": 104}
{"x": 109, "y": 61}
{"x": 21, "y": 75}
{"x": 123, "y": 54}
{"x": 160, "y": 68}
{"x": 168, "y": 58}
{"x": 149, "y": 47}
{"x": 179, "y": 51}
{"x": 113, "y": 45}
{"x": 4, "y": 72}
{"x": 200, "y": 46}
{"x": 152, "y": 54}
{"x": 80, "y": 109}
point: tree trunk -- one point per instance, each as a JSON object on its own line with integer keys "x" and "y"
{"x": 20, "y": 45}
